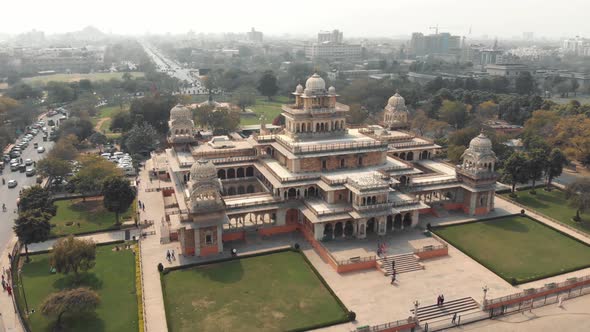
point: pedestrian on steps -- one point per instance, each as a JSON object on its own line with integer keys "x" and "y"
{"x": 454, "y": 321}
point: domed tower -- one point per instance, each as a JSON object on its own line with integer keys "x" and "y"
{"x": 205, "y": 188}
{"x": 181, "y": 126}
{"x": 395, "y": 114}
{"x": 477, "y": 172}
{"x": 201, "y": 234}
{"x": 315, "y": 112}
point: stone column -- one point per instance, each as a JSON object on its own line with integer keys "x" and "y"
{"x": 220, "y": 238}
{"x": 318, "y": 231}
{"x": 197, "y": 241}
{"x": 472, "y": 203}
{"x": 382, "y": 227}
{"x": 415, "y": 216}
{"x": 362, "y": 232}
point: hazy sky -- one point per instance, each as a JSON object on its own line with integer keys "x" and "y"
{"x": 383, "y": 18}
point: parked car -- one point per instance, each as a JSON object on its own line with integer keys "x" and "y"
{"x": 30, "y": 172}
{"x": 12, "y": 183}
{"x": 40, "y": 149}
{"x": 28, "y": 162}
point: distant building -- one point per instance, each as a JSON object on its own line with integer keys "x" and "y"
{"x": 504, "y": 127}
{"x": 508, "y": 70}
{"x": 330, "y": 47}
{"x": 334, "y": 36}
{"x": 440, "y": 43}
{"x": 576, "y": 46}
{"x": 254, "y": 36}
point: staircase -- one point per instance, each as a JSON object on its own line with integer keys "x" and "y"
{"x": 440, "y": 212}
{"x": 403, "y": 263}
{"x": 449, "y": 308}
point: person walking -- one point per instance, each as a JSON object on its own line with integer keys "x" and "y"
{"x": 3, "y": 284}
{"x": 168, "y": 255}
{"x": 393, "y": 276}
{"x": 9, "y": 290}
{"x": 454, "y": 320}
{"x": 173, "y": 257}
{"x": 442, "y": 299}
{"x": 438, "y": 301}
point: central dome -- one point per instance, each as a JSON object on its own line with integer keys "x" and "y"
{"x": 480, "y": 143}
{"x": 180, "y": 111}
{"x": 203, "y": 169}
{"x": 396, "y": 101}
{"x": 315, "y": 84}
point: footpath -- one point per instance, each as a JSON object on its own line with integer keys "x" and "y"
{"x": 9, "y": 320}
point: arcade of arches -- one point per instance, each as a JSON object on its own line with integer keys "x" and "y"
{"x": 362, "y": 228}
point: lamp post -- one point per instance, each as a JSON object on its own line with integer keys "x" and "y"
{"x": 485, "y": 292}
{"x": 416, "y": 305}
{"x": 22, "y": 284}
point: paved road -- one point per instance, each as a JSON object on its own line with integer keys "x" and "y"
{"x": 9, "y": 196}
{"x": 172, "y": 68}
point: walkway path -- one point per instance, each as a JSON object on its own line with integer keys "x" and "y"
{"x": 104, "y": 237}
{"x": 9, "y": 320}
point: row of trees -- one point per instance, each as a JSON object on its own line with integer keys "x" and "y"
{"x": 522, "y": 167}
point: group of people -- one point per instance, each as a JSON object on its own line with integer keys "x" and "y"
{"x": 440, "y": 300}
{"x": 6, "y": 280}
{"x": 170, "y": 255}
{"x": 141, "y": 205}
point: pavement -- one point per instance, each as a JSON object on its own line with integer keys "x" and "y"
{"x": 103, "y": 237}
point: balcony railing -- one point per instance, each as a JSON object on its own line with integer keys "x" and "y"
{"x": 336, "y": 210}
{"x": 378, "y": 206}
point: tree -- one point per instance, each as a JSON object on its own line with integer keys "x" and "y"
{"x": 575, "y": 85}
{"x": 36, "y": 198}
{"x": 70, "y": 254}
{"x": 515, "y": 170}
{"x": 98, "y": 139}
{"x": 72, "y": 301}
{"x": 141, "y": 139}
{"x": 60, "y": 92}
{"x": 121, "y": 121}
{"x": 525, "y": 83}
{"x": 154, "y": 110}
{"x": 244, "y": 96}
{"x": 267, "y": 85}
{"x": 554, "y": 166}
{"x": 118, "y": 195}
{"x": 454, "y": 153}
{"x": 578, "y": 193}
{"x": 94, "y": 169}
{"x": 64, "y": 148}
{"x": 537, "y": 161}
{"x": 223, "y": 120}
{"x": 454, "y": 113}
{"x": 357, "y": 114}
{"x": 32, "y": 226}
{"x": 54, "y": 167}
{"x": 81, "y": 128}
{"x": 487, "y": 110}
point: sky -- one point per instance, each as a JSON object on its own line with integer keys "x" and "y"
{"x": 369, "y": 18}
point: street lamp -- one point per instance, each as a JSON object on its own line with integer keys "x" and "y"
{"x": 22, "y": 284}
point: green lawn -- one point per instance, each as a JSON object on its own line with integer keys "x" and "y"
{"x": 107, "y": 113}
{"x": 275, "y": 292}
{"x": 43, "y": 79}
{"x": 518, "y": 247}
{"x": 113, "y": 278}
{"x": 270, "y": 109}
{"x": 552, "y": 204}
{"x": 91, "y": 215}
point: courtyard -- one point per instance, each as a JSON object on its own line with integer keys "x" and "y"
{"x": 272, "y": 292}
{"x": 113, "y": 278}
{"x": 75, "y": 216}
{"x": 553, "y": 204}
{"x": 518, "y": 249}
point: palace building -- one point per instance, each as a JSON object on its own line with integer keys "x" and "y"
{"x": 316, "y": 174}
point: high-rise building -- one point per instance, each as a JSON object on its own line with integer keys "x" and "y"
{"x": 254, "y": 36}
{"x": 440, "y": 43}
{"x": 330, "y": 47}
{"x": 334, "y": 36}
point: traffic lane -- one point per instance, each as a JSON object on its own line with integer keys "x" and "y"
{"x": 8, "y": 196}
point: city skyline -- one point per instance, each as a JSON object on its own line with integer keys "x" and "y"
{"x": 380, "y": 18}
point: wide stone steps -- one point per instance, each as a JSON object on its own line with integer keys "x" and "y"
{"x": 447, "y": 309}
{"x": 403, "y": 263}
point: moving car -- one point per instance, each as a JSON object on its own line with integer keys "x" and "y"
{"x": 30, "y": 172}
{"x": 12, "y": 183}
{"x": 40, "y": 149}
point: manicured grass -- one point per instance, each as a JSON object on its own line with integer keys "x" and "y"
{"x": 553, "y": 204}
{"x": 113, "y": 278}
{"x": 43, "y": 79}
{"x": 518, "y": 247}
{"x": 91, "y": 215}
{"x": 270, "y": 109}
{"x": 274, "y": 292}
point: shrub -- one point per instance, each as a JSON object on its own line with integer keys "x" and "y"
{"x": 296, "y": 246}
{"x": 160, "y": 267}
{"x": 352, "y": 316}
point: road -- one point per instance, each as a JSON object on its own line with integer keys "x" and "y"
{"x": 174, "y": 69}
{"x": 9, "y": 196}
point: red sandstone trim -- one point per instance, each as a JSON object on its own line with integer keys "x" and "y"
{"x": 210, "y": 250}
{"x": 432, "y": 253}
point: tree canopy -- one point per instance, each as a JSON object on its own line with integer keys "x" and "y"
{"x": 118, "y": 195}
{"x": 70, "y": 254}
{"x": 72, "y": 301}
{"x": 32, "y": 226}
{"x": 267, "y": 84}
{"x": 141, "y": 139}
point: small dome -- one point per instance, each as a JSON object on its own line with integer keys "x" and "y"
{"x": 299, "y": 89}
{"x": 315, "y": 84}
{"x": 180, "y": 111}
{"x": 481, "y": 143}
{"x": 332, "y": 90}
{"x": 396, "y": 101}
{"x": 203, "y": 169}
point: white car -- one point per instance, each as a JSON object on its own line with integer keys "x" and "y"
{"x": 40, "y": 149}
{"x": 28, "y": 162}
{"x": 12, "y": 183}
